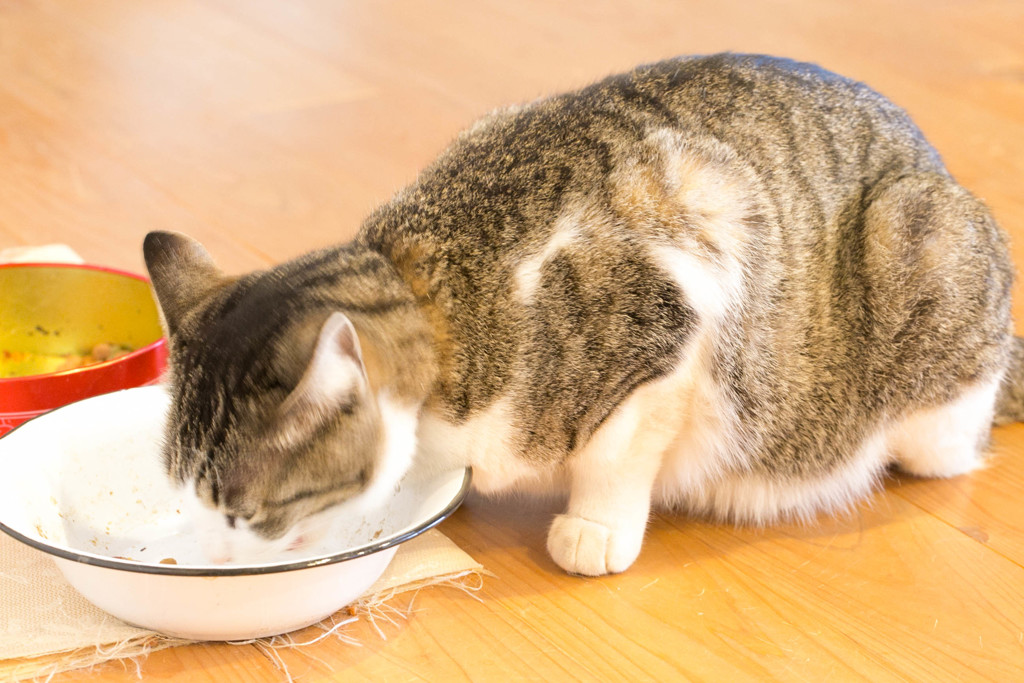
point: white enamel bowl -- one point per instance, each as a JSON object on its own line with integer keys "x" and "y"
{"x": 85, "y": 484}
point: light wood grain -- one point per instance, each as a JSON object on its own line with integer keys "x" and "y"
{"x": 267, "y": 128}
{"x": 985, "y": 505}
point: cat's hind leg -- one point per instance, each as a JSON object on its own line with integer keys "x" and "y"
{"x": 946, "y": 440}
{"x": 938, "y": 281}
{"x": 611, "y": 480}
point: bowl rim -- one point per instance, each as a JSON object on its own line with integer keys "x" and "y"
{"x": 155, "y": 345}
{"x": 236, "y": 570}
{"x": 249, "y": 570}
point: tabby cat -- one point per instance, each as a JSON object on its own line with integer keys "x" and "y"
{"x": 736, "y": 286}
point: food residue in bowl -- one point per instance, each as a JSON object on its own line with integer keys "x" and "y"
{"x": 24, "y": 363}
{"x": 166, "y": 560}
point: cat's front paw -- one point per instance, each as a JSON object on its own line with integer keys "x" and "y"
{"x": 580, "y": 546}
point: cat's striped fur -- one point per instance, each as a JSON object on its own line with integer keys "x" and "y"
{"x": 735, "y": 284}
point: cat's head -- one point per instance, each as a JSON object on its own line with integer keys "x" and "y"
{"x": 273, "y": 421}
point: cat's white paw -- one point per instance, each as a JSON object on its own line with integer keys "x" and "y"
{"x": 580, "y": 546}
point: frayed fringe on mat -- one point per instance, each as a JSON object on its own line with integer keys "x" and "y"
{"x": 376, "y": 606}
{"x": 133, "y": 652}
{"x": 129, "y": 653}
{"x": 374, "y": 609}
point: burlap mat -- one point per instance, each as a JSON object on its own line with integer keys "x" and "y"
{"x": 49, "y": 253}
{"x": 41, "y": 615}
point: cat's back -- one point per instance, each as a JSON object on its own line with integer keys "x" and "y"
{"x": 806, "y": 131}
{"x": 760, "y": 105}
{"x": 813, "y": 138}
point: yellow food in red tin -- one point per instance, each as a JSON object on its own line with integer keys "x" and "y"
{"x": 23, "y": 363}
{"x": 68, "y": 332}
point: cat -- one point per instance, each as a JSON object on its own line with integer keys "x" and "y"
{"x": 737, "y": 286}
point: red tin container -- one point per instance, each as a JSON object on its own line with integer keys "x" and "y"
{"x": 59, "y": 309}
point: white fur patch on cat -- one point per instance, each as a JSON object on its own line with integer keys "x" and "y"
{"x": 758, "y": 499}
{"x": 711, "y": 290}
{"x": 528, "y": 274}
{"x": 400, "y": 424}
{"x": 702, "y": 178}
{"x": 946, "y": 441}
{"x": 707, "y": 443}
{"x": 483, "y": 442}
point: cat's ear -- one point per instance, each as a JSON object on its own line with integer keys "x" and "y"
{"x": 181, "y": 271}
{"x": 334, "y": 377}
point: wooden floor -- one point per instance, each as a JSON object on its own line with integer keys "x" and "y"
{"x": 266, "y": 128}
